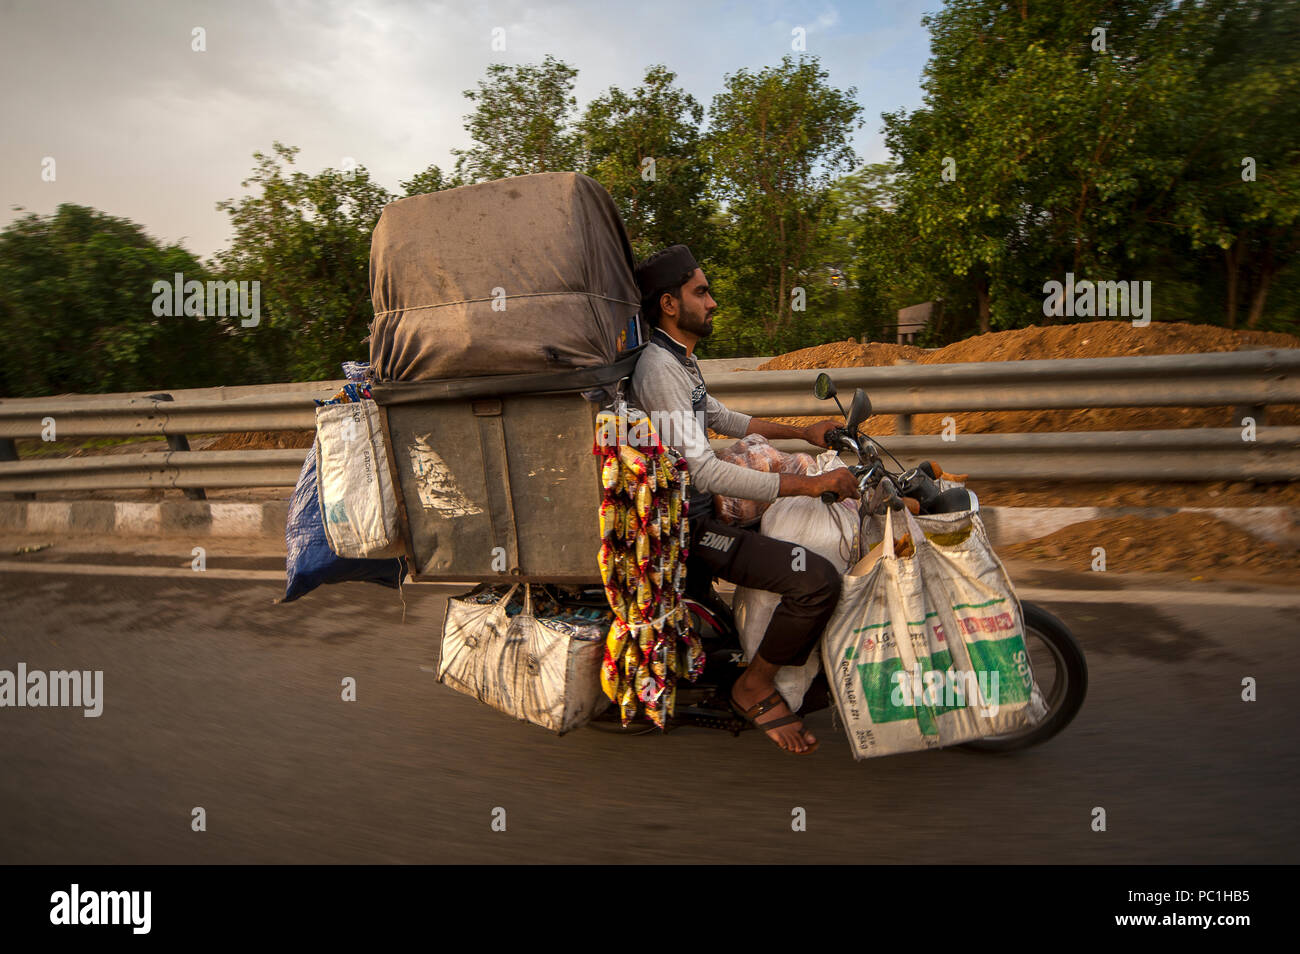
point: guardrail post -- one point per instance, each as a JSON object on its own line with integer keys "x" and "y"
{"x": 903, "y": 422}
{"x": 9, "y": 451}
{"x": 179, "y": 442}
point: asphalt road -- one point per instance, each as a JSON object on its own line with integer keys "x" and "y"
{"x": 216, "y": 697}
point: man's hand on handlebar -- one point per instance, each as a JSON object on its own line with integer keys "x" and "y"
{"x": 839, "y": 481}
{"x": 816, "y": 433}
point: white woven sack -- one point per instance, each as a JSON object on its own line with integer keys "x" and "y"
{"x": 827, "y": 530}
{"x": 542, "y": 671}
{"x": 969, "y": 588}
{"x": 899, "y": 681}
{"x": 357, "y": 503}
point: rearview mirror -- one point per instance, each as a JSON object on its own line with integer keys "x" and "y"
{"x": 824, "y": 387}
{"x": 859, "y": 410}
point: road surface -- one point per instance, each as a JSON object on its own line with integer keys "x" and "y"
{"x": 217, "y": 698}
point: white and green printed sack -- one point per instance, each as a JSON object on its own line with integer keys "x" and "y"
{"x": 928, "y": 651}
{"x": 539, "y": 670}
{"x": 358, "y": 505}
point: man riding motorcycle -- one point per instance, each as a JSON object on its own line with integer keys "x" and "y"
{"x": 668, "y": 385}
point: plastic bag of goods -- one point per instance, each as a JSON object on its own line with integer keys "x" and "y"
{"x": 756, "y": 452}
{"x": 309, "y": 561}
{"x": 828, "y": 530}
{"x": 873, "y": 528}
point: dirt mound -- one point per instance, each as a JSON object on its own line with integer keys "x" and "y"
{"x": 1090, "y": 339}
{"x": 1103, "y": 339}
{"x": 263, "y": 440}
{"x": 1132, "y": 493}
{"x": 843, "y": 354}
{"x": 1189, "y": 543}
{"x": 1093, "y": 339}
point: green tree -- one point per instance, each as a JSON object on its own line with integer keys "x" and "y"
{"x": 644, "y": 147}
{"x": 521, "y": 123}
{"x": 1004, "y": 160}
{"x": 306, "y": 238}
{"x": 431, "y": 179}
{"x": 777, "y": 139}
{"x": 872, "y": 255}
{"x": 76, "y": 309}
{"x": 1097, "y": 137}
{"x": 1235, "y": 197}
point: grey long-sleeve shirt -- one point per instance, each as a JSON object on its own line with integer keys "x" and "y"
{"x": 668, "y": 385}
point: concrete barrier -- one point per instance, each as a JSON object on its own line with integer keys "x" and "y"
{"x": 1006, "y": 525}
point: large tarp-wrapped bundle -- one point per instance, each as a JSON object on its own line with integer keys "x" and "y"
{"x": 549, "y": 250}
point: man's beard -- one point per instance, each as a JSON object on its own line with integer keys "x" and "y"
{"x": 700, "y": 326}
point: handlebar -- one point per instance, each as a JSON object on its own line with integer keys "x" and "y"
{"x": 870, "y": 471}
{"x": 888, "y": 488}
{"x": 884, "y": 483}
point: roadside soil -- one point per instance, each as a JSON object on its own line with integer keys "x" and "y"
{"x": 1194, "y": 546}
{"x": 1093, "y": 339}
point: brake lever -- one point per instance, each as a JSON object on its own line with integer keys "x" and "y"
{"x": 839, "y": 439}
{"x": 877, "y": 497}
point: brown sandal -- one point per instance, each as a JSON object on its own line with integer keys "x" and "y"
{"x": 766, "y": 705}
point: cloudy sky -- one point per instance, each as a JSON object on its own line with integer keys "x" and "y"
{"x": 142, "y": 126}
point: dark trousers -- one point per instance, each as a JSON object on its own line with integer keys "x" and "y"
{"x": 808, "y": 583}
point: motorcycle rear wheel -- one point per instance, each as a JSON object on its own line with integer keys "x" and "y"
{"x": 1061, "y": 673}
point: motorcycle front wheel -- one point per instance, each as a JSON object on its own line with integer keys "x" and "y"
{"x": 1061, "y": 673}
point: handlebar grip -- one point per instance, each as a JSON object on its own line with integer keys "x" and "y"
{"x": 829, "y": 496}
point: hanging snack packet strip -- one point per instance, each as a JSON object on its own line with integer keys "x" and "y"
{"x": 644, "y": 532}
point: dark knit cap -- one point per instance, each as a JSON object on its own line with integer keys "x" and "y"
{"x": 663, "y": 271}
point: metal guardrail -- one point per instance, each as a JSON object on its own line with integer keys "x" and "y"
{"x": 1235, "y": 378}
{"x": 1198, "y": 453}
{"x": 171, "y": 469}
{"x": 263, "y": 407}
{"x": 1250, "y": 380}
{"x": 1191, "y": 454}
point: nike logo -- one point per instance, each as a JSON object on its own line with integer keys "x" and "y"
{"x": 717, "y": 541}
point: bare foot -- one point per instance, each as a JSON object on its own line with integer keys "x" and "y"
{"x": 748, "y": 691}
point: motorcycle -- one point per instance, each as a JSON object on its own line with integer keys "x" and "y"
{"x": 1056, "y": 659}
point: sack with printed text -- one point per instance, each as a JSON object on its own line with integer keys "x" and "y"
{"x": 357, "y": 501}
{"x": 539, "y": 669}
{"x": 928, "y": 650}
